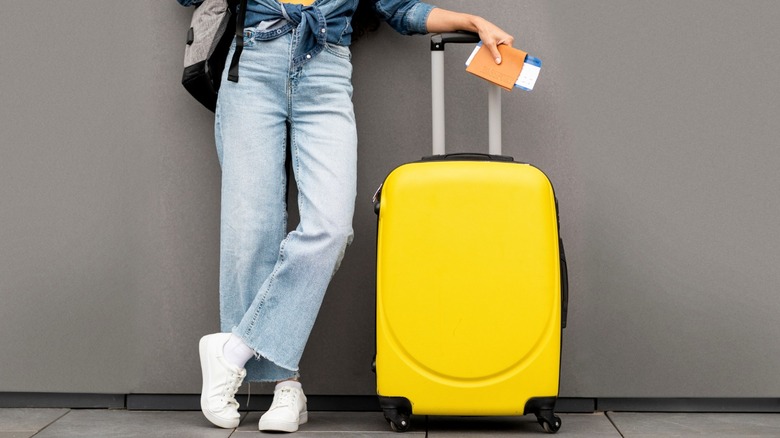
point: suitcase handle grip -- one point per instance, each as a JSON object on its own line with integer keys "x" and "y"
{"x": 440, "y": 39}
{"x": 468, "y": 156}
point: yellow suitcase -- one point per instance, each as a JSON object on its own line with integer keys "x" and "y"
{"x": 471, "y": 290}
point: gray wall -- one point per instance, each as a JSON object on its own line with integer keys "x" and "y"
{"x": 656, "y": 121}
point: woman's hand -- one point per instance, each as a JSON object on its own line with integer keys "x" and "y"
{"x": 442, "y": 20}
{"x": 492, "y": 36}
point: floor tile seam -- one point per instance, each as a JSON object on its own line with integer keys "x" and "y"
{"x": 244, "y": 416}
{"x": 51, "y": 422}
{"x": 612, "y": 422}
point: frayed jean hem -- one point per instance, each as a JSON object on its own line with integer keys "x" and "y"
{"x": 263, "y": 369}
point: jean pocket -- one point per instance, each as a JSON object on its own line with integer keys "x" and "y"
{"x": 340, "y": 51}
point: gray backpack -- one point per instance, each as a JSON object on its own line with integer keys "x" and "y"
{"x": 215, "y": 23}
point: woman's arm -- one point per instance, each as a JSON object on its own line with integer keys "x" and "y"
{"x": 442, "y": 20}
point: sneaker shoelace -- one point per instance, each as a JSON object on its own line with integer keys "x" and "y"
{"x": 234, "y": 382}
{"x": 284, "y": 398}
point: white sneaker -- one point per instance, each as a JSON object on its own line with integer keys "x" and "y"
{"x": 287, "y": 411}
{"x": 221, "y": 380}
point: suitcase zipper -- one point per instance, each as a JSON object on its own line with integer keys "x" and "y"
{"x": 378, "y": 192}
{"x": 375, "y": 198}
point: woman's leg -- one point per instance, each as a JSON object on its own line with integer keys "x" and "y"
{"x": 323, "y": 143}
{"x": 250, "y": 132}
{"x": 324, "y": 156}
{"x": 281, "y": 311}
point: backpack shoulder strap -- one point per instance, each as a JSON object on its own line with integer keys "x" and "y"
{"x": 233, "y": 72}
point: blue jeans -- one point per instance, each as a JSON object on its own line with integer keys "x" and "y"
{"x": 272, "y": 283}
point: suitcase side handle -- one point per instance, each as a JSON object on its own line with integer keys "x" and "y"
{"x": 564, "y": 284}
{"x": 438, "y": 42}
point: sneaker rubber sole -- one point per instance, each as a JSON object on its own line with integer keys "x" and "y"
{"x": 283, "y": 426}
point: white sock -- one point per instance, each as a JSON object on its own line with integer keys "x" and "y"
{"x": 289, "y": 384}
{"x": 236, "y": 352}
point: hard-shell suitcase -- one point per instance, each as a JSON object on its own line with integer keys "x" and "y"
{"x": 471, "y": 282}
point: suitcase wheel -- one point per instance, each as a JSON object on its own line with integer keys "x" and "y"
{"x": 399, "y": 422}
{"x": 549, "y": 421}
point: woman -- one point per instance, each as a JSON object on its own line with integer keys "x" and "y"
{"x": 294, "y": 88}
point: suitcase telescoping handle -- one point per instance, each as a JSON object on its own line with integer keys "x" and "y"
{"x": 438, "y": 42}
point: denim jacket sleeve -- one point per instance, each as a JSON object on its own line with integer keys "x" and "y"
{"x": 189, "y": 2}
{"x": 407, "y": 17}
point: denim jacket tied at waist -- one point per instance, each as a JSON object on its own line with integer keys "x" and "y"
{"x": 327, "y": 21}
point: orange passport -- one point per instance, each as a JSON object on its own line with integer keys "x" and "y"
{"x": 505, "y": 74}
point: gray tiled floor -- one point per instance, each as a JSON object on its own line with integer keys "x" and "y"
{"x": 18, "y": 423}
{"x": 646, "y": 425}
{"x": 64, "y": 423}
{"x": 330, "y": 424}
